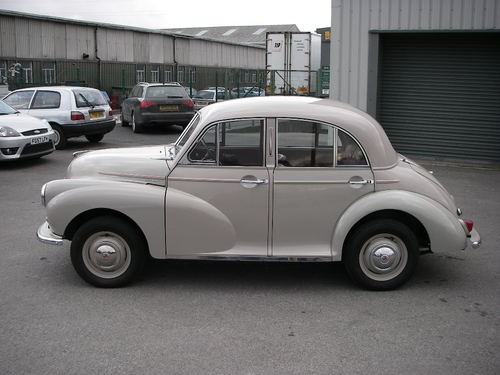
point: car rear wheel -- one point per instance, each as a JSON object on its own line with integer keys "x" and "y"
{"x": 122, "y": 119}
{"x": 381, "y": 255}
{"x": 60, "y": 141}
{"x": 136, "y": 127}
{"x": 94, "y": 138}
{"x": 108, "y": 252}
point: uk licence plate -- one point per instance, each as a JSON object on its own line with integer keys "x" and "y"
{"x": 169, "y": 108}
{"x": 38, "y": 140}
{"x": 96, "y": 114}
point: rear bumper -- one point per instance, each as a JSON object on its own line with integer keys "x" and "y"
{"x": 180, "y": 118}
{"x": 88, "y": 128}
{"x": 475, "y": 239}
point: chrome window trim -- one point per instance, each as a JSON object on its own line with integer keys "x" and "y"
{"x": 336, "y": 128}
{"x": 184, "y": 159}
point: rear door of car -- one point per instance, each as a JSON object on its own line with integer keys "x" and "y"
{"x": 129, "y": 103}
{"x": 46, "y": 104}
{"x": 320, "y": 170}
{"x": 165, "y": 99}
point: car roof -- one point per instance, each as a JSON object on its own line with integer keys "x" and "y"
{"x": 56, "y": 88}
{"x": 348, "y": 118}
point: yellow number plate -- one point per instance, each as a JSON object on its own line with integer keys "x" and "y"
{"x": 96, "y": 114}
{"x": 169, "y": 108}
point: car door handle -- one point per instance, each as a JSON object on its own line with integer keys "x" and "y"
{"x": 258, "y": 181}
{"x": 360, "y": 182}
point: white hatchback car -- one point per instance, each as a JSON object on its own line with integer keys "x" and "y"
{"x": 71, "y": 111}
{"x": 267, "y": 178}
{"x": 23, "y": 136}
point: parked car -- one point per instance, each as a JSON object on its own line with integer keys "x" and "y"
{"x": 271, "y": 179}
{"x": 23, "y": 136}
{"x": 151, "y": 103}
{"x": 207, "y": 97}
{"x": 71, "y": 111}
{"x": 246, "y": 92}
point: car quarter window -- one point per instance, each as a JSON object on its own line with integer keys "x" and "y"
{"x": 232, "y": 143}
{"x": 303, "y": 143}
{"x": 46, "y": 100}
{"x": 19, "y": 100}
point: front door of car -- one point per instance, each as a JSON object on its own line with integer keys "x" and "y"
{"x": 218, "y": 194}
{"x": 320, "y": 171}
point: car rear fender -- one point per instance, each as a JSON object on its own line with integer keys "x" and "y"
{"x": 141, "y": 203}
{"x": 443, "y": 228}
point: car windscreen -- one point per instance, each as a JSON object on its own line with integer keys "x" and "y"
{"x": 162, "y": 92}
{"x": 187, "y": 132}
{"x": 88, "y": 98}
{"x": 6, "y": 109}
{"x": 204, "y": 95}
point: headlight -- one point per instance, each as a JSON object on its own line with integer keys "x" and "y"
{"x": 6, "y": 131}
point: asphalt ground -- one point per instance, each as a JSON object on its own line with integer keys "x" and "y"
{"x": 187, "y": 317}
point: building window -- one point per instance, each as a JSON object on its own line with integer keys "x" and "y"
{"x": 140, "y": 74}
{"x": 167, "y": 75}
{"x": 180, "y": 74}
{"x": 3, "y": 73}
{"x": 49, "y": 73}
{"x": 247, "y": 77}
{"x": 155, "y": 74}
{"x": 192, "y": 71}
{"x": 254, "y": 77}
{"x": 27, "y": 72}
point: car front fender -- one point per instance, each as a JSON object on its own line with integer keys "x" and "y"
{"x": 142, "y": 203}
{"x": 444, "y": 229}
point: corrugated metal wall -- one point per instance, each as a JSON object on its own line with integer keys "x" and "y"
{"x": 32, "y": 38}
{"x": 353, "y": 20}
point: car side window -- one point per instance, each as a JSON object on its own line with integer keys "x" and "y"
{"x": 46, "y": 100}
{"x": 348, "y": 151}
{"x": 305, "y": 144}
{"x": 136, "y": 92}
{"x": 19, "y": 100}
{"x": 311, "y": 144}
{"x": 232, "y": 143}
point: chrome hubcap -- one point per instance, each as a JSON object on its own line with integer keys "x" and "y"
{"x": 106, "y": 254}
{"x": 383, "y": 257}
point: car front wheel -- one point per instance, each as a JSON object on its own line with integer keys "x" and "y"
{"x": 108, "y": 252}
{"x": 381, "y": 254}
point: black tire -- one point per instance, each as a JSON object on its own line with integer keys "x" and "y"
{"x": 61, "y": 140}
{"x": 122, "y": 119}
{"x": 94, "y": 138}
{"x": 136, "y": 127}
{"x": 122, "y": 252}
{"x": 381, "y": 254}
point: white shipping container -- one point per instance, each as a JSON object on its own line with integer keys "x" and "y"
{"x": 292, "y": 60}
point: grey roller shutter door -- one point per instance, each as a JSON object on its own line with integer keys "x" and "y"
{"x": 439, "y": 94}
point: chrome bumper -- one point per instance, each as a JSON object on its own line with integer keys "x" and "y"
{"x": 475, "y": 239}
{"x": 45, "y": 235}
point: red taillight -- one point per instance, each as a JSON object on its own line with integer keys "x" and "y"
{"x": 146, "y": 103}
{"x": 110, "y": 112}
{"x": 469, "y": 224}
{"x": 188, "y": 103}
{"x": 77, "y": 116}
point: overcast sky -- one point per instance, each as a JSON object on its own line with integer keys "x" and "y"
{"x": 307, "y": 15}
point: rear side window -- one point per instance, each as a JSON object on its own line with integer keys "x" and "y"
{"x": 46, "y": 100}
{"x": 20, "y": 99}
{"x": 157, "y": 92}
{"x": 88, "y": 98}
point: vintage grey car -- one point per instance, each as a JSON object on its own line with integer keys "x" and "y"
{"x": 267, "y": 179}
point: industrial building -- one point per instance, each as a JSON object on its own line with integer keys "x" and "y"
{"x": 41, "y": 50}
{"x": 428, "y": 70}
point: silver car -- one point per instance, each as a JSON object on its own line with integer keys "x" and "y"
{"x": 23, "y": 136}
{"x": 71, "y": 111}
{"x": 265, "y": 178}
